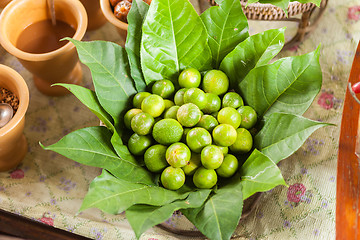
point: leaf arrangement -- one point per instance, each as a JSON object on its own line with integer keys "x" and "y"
{"x": 163, "y": 40}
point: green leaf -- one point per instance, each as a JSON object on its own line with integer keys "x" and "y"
{"x": 91, "y": 146}
{"x": 113, "y": 195}
{"x": 283, "y": 134}
{"x": 283, "y": 4}
{"x": 135, "y": 19}
{"x": 143, "y": 217}
{"x": 89, "y": 99}
{"x": 227, "y": 26}
{"x": 110, "y": 71}
{"x": 259, "y": 174}
{"x": 288, "y": 85}
{"x": 174, "y": 38}
{"x": 316, "y": 2}
{"x": 255, "y": 51}
{"x": 219, "y": 216}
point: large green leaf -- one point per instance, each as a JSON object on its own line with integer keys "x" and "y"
{"x": 259, "y": 174}
{"x": 91, "y": 146}
{"x": 218, "y": 217}
{"x": 135, "y": 19}
{"x": 174, "y": 38}
{"x": 227, "y": 26}
{"x": 288, "y": 85}
{"x": 143, "y": 217}
{"x": 255, "y": 51}
{"x": 283, "y": 134}
{"x": 110, "y": 71}
{"x": 113, "y": 195}
{"x": 89, "y": 99}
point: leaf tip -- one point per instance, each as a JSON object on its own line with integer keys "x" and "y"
{"x": 43, "y": 147}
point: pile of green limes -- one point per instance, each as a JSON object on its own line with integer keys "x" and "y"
{"x": 192, "y": 131}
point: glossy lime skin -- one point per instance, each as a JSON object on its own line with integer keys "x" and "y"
{"x": 224, "y": 135}
{"x": 228, "y": 167}
{"x": 142, "y": 123}
{"x": 171, "y": 112}
{"x": 230, "y": 116}
{"x": 224, "y": 150}
{"x": 139, "y": 97}
{"x": 164, "y": 88}
{"x": 205, "y": 178}
{"x": 153, "y": 105}
{"x": 195, "y": 96}
{"x": 129, "y": 115}
{"x": 215, "y": 81}
{"x": 243, "y": 142}
{"x": 232, "y": 99}
{"x": 211, "y": 157}
{"x": 208, "y": 122}
{"x": 248, "y": 116}
{"x": 172, "y": 178}
{"x": 198, "y": 138}
{"x": 168, "y": 104}
{"x": 194, "y": 163}
{"x": 138, "y": 144}
{"x": 189, "y": 78}
{"x": 178, "y": 155}
{"x": 167, "y": 131}
{"x": 155, "y": 159}
{"x": 213, "y": 103}
{"x": 188, "y": 115}
{"x": 179, "y": 96}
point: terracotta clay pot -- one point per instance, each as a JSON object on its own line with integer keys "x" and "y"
{"x": 13, "y": 144}
{"x": 58, "y": 66}
{"x": 121, "y": 27}
{"x": 95, "y": 16}
{"x": 3, "y": 3}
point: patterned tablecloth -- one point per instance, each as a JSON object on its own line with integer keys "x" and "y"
{"x": 49, "y": 188}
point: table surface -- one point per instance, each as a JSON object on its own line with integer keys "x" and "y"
{"x": 49, "y": 188}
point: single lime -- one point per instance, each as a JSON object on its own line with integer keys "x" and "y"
{"x": 154, "y": 105}
{"x": 171, "y": 112}
{"x": 228, "y": 167}
{"x": 224, "y": 150}
{"x": 139, "y": 97}
{"x": 224, "y": 135}
{"x": 188, "y": 115}
{"x": 167, "y": 131}
{"x": 155, "y": 158}
{"x": 193, "y": 164}
{"x": 138, "y": 144}
{"x": 205, "y": 178}
{"x": 172, "y": 178}
{"x": 179, "y": 96}
{"x": 198, "y": 138}
{"x": 164, "y": 88}
{"x": 248, "y": 116}
{"x": 230, "y": 116}
{"x": 129, "y": 115}
{"x": 168, "y": 104}
{"x": 178, "y": 154}
{"x": 195, "y": 96}
{"x": 189, "y": 78}
{"x": 142, "y": 123}
{"x": 211, "y": 157}
{"x": 232, "y": 99}
{"x": 208, "y": 122}
{"x": 244, "y": 141}
{"x": 215, "y": 81}
{"x": 213, "y": 103}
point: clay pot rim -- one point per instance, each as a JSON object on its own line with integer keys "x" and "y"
{"x": 109, "y": 15}
{"x": 23, "y": 99}
{"x": 79, "y": 33}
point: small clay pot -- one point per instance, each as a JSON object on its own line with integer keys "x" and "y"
{"x": 109, "y": 15}
{"x": 58, "y": 66}
{"x": 13, "y": 144}
{"x": 96, "y": 18}
{"x": 3, "y": 3}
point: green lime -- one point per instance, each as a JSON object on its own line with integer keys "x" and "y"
{"x": 189, "y": 78}
{"x": 155, "y": 158}
{"x": 244, "y": 141}
{"x": 171, "y": 112}
{"x": 224, "y": 135}
{"x": 193, "y": 164}
{"x": 215, "y": 114}
{"x": 167, "y": 131}
{"x": 228, "y": 167}
{"x": 178, "y": 154}
{"x": 211, "y": 157}
{"x": 232, "y": 99}
{"x": 154, "y": 105}
{"x": 129, "y": 115}
{"x": 215, "y": 81}
{"x": 248, "y": 116}
{"x": 197, "y": 138}
{"x": 168, "y": 104}
{"x": 188, "y": 115}
{"x": 142, "y": 123}
{"x": 208, "y": 122}
{"x": 172, "y": 178}
{"x": 139, "y": 97}
{"x": 213, "y": 103}
{"x": 205, "y": 178}
{"x": 138, "y": 144}
{"x": 186, "y": 130}
{"x": 195, "y": 96}
{"x": 224, "y": 150}
{"x": 230, "y": 116}
{"x": 179, "y": 96}
{"x": 164, "y": 88}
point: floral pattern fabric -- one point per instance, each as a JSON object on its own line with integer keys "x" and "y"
{"x": 49, "y": 188}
